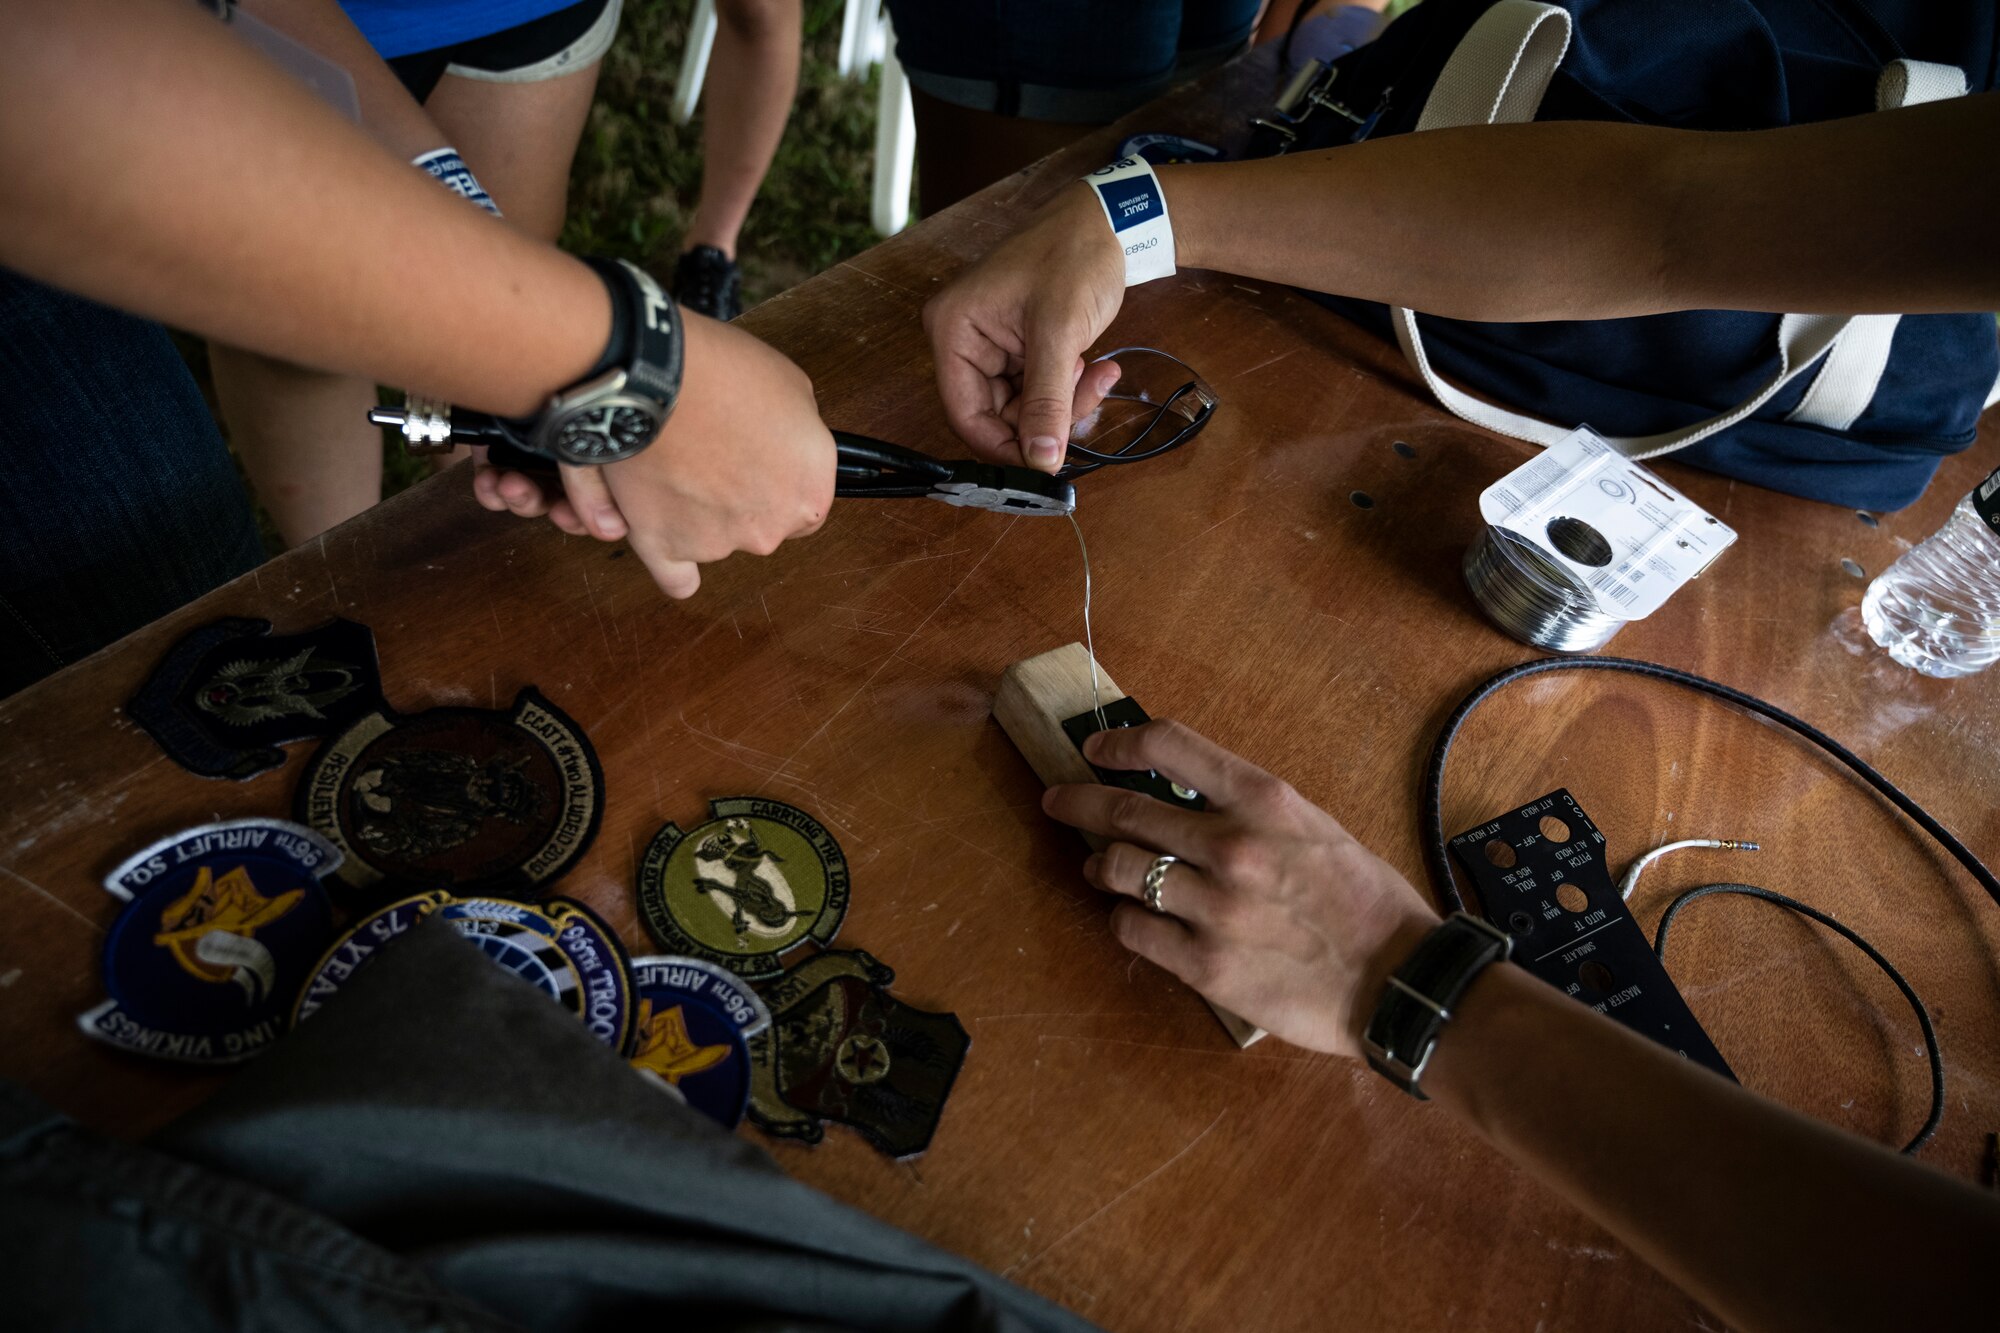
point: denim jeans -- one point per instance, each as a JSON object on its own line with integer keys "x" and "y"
{"x": 120, "y": 501}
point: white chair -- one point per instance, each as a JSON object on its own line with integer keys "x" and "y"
{"x": 895, "y": 145}
{"x": 694, "y": 61}
{"x": 865, "y": 40}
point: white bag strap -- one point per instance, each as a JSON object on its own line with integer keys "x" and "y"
{"x": 1849, "y": 376}
{"x": 1498, "y": 75}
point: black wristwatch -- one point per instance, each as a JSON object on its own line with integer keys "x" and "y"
{"x": 1417, "y": 1001}
{"x": 620, "y": 406}
{"x": 613, "y": 412}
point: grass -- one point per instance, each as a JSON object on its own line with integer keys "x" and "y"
{"x": 637, "y": 173}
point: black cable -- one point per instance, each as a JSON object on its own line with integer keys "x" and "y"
{"x": 1931, "y": 1051}
{"x": 1437, "y": 851}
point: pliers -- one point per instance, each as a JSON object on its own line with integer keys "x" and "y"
{"x": 868, "y": 469}
{"x": 876, "y": 469}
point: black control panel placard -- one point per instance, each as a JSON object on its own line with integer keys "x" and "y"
{"x": 1543, "y": 878}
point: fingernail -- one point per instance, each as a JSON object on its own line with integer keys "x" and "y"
{"x": 1044, "y": 451}
{"x": 610, "y": 525}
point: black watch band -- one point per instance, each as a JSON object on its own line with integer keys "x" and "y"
{"x": 645, "y": 339}
{"x": 1417, "y": 1001}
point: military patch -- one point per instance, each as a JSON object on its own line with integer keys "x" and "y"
{"x": 609, "y": 1004}
{"x": 227, "y": 695}
{"x": 841, "y": 1048}
{"x": 361, "y": 943}
{"x": 470, "y": 800}
{"x": 758, "y": 879}
{"x": 221, "y": 924}
{"x": 694, "y": 1022}
{"x": 559, "y": 947}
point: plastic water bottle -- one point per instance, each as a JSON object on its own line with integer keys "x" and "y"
{"x": 1938, "y": 608}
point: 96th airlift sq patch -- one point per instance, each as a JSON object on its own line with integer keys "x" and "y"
{"x": 220, "y": 926}
{"x": 469, "y": 800}
{"x": 757, "y": 880}
{"x": 695, "y": 1019}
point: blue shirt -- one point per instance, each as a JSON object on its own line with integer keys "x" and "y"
{"x": 405, "y": 27}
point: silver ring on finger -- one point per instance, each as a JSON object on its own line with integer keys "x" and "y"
{"x": 1156, "y": 879}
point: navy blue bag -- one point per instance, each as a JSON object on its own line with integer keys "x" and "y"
{"x": 1871, "y": 403}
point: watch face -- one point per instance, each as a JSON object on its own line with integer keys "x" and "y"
{"x": 605, "y": 434}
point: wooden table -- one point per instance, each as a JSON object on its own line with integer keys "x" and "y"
{"x": 1106, "y": 1145}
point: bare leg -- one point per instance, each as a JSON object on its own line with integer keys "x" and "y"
{"x": 304, "y": 438}
{"x": 519, "y": 139}
{"x": 753, "y": 76}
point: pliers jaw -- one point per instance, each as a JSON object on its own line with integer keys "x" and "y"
{"x": 875, "y": 469}
{"x": 1006, "y": 490}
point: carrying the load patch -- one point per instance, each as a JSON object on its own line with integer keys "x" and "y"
{"x": 757, "y": 880}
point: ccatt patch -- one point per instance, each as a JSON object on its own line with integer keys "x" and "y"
{"x": 469, "y": 800}
{"x": 221, "y": 925}
{"x": 754, "y": 882}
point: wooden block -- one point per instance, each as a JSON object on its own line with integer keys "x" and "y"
{"x": 1034, "y": 698}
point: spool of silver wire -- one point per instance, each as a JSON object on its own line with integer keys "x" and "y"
{"x": 1533, "y": 597}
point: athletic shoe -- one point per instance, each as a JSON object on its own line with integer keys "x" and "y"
{"x": 707, "y": 282}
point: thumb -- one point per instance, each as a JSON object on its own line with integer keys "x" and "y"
{"x": 1048, "y": 388}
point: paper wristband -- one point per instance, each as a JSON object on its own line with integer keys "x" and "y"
{"x": 454, "y": 175}
{"x": 1136, "y": 207}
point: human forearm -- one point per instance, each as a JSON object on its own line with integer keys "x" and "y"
{"x": 1589, "y": 220}
{"x": 1773, "y": 1220}
{"x": 282, "y": 229}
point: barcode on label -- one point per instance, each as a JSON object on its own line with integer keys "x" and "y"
{"x": 1614, "y": 587}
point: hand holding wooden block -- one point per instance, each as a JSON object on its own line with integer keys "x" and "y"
{"x": 1034, "y": 698}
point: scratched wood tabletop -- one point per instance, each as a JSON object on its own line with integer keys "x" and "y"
{"x": 1106, "y": 1145}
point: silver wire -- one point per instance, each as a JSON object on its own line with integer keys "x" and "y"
{"x": 1532, "y": 597}
{"x": 1089, "y": 648}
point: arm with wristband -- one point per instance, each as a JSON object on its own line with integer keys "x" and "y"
{"x": 382, "y": 274}
{"x": 1273, "y": 911}
{"x": 1459, "y": 223}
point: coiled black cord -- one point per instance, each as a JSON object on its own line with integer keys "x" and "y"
{"x": 1437, "y": 850}
{"x": 1931, "y": 1051}
{"x": 1438, "y": 854}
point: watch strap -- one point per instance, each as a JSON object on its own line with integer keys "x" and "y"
{"x": 1417, "y": 1001}
{"x": 645, "y": 339}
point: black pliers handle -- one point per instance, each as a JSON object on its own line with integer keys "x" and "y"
{"x": 876, "y": 469}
